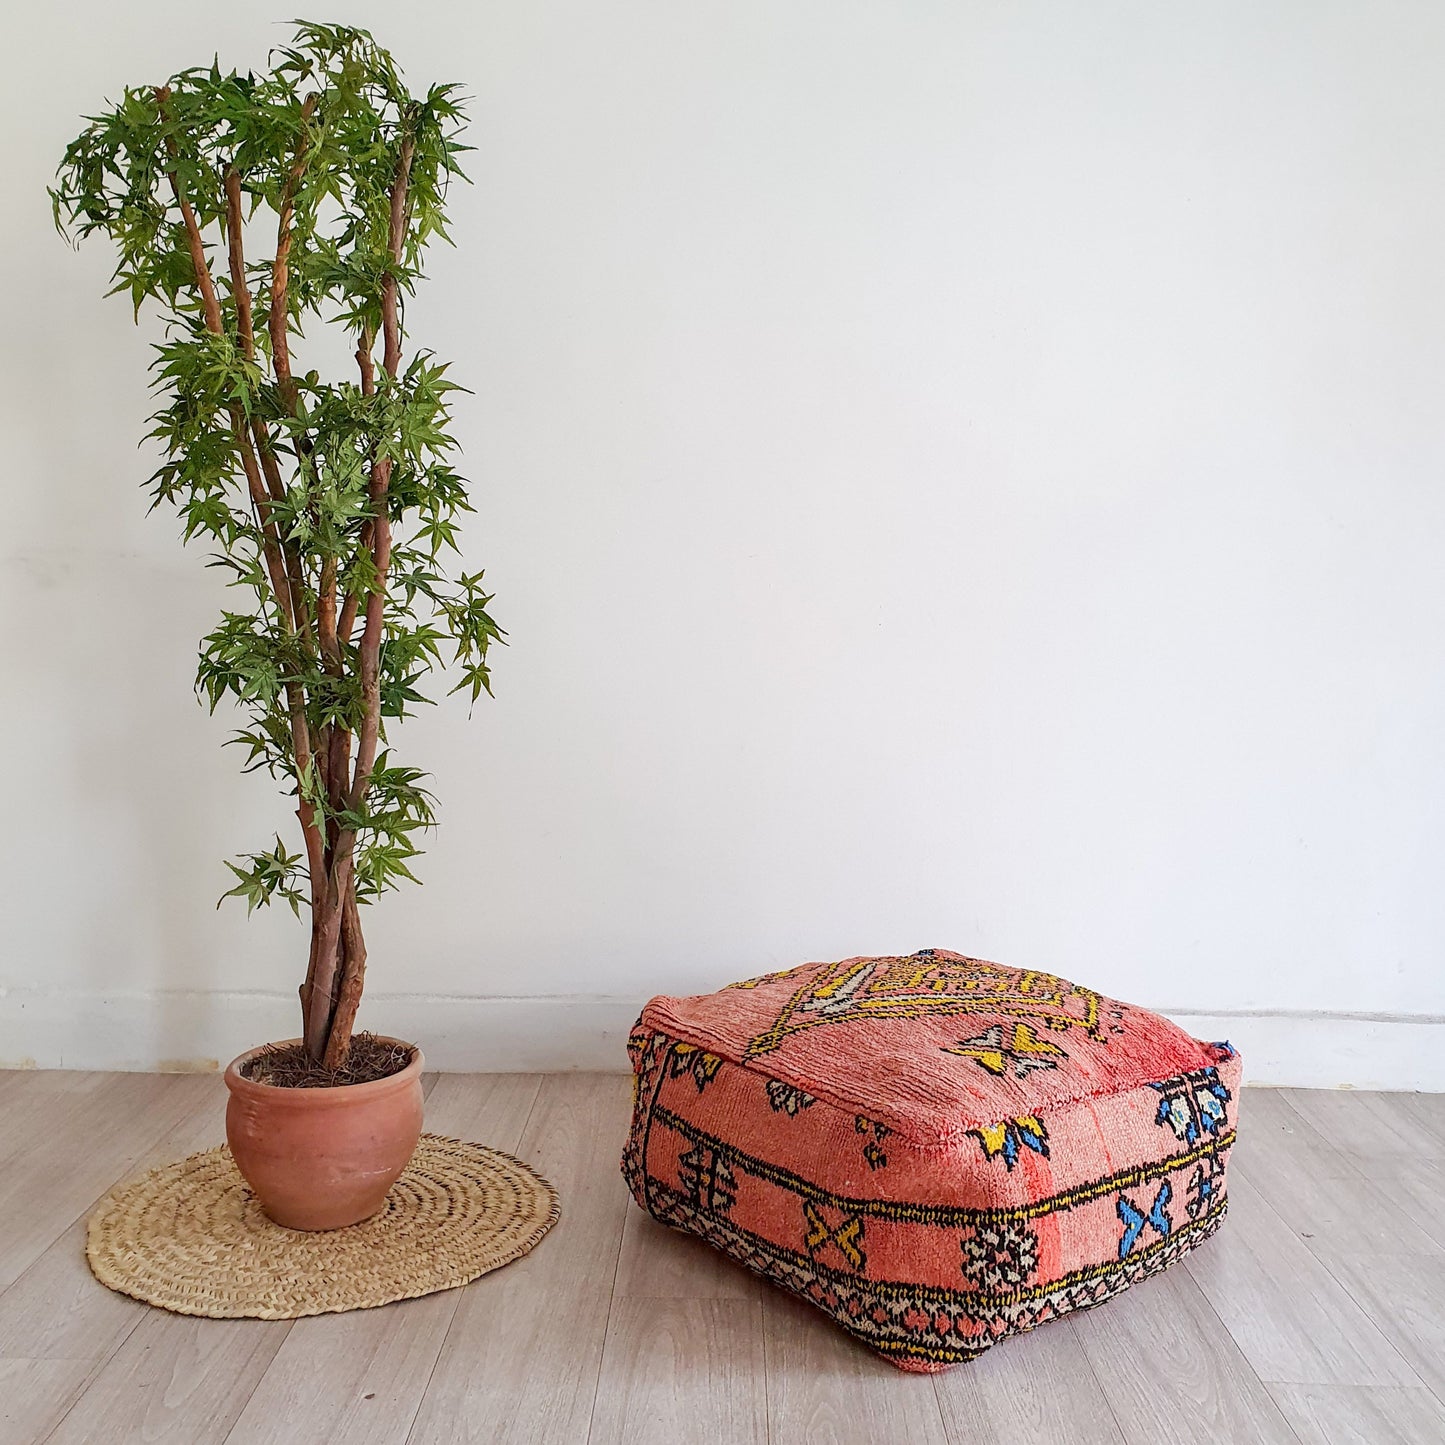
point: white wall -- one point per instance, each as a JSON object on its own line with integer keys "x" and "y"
{"x": 953, "y": 474}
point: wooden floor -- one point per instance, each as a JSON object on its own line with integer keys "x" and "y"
{"x": 1316, "y": 1317}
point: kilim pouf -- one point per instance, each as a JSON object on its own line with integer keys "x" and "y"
{"x": 936, "y": 1151}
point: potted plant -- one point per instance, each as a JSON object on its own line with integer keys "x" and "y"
{"x": 329, "y": 502}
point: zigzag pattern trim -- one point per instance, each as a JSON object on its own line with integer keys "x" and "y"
{"x": 898, "y": 1318}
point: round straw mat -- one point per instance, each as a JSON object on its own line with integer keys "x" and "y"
{"x": 190, "y": 1236}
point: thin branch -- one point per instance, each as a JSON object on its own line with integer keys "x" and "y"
{"x": 352, "y": 603}
{"x": 326, "y": 629}
{"x": 209, "y": 303}
{"x": 240, "y": 291}
{"x": 278, "y": 324}
{"x": 341, "y": 894}
{"x": 270, "y": 467}
{"x": 347, "y": 623}
{"x": 365, "y": 362}
{"x": 366, "y": 741}
{"x": 335, "y": 751}
{"x": 339, "y": 768}
{"x": 296, "y": 702}
{"x": 278, "y": 320}
{"x": 260, "y": 500}
{"x": 275, "y": 563}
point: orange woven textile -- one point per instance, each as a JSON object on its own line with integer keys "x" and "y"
{"x": 936, "y": 1151}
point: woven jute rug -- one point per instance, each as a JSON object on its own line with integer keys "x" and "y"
{"x": 190, "y": 1236}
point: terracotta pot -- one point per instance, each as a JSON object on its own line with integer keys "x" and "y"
{"x": 323, "y": 1158}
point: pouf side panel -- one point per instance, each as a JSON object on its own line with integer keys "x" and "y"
{"x": 983, "y": 1242}
{"x": 854, "y": 1155}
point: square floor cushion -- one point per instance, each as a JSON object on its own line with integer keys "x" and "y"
{"x": 936, "y": 1151}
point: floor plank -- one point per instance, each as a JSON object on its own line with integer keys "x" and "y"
{"x": 56, "y": 1314}
{"x": 55, "y": 1309}
{"x": 521, "y": 1360}
{"x": 674, "y": 1369}
{"x": 174, "y": 1379}
{"x": 361, "y": 1377}
{"x": 662, "y": 1263}
{"x": 54, "y": 1179}
{"x": 1405, "y": 1297}
{"x": 1424, "y": 1111}
{"x": 1171, "y": 1372}
{"x": 1362, "y": 1125}
{"x": 152, "y": 1375}
{"x": 1036, "y": 1387}
{"x": 1325, "y": 1197}
{"x": 824, "y": 1388}
{"x": 490, "y": 1109}
{"x": 1353, "y": 1415}
{"x": 34, "y": 1394}
{"x": 1416, "y": 1187}
{"x": 1270, "y": 1126}
{"x": 1292, "y": 1320}
{"x": 38, "y": 1102}
{"x": 356, "y": 1377}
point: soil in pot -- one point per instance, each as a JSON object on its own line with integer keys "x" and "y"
{"x": 289, "y": 1066}
{"x": 322, "y": 1155}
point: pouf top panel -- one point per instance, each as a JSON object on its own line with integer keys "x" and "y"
{"x": 932, "y": 1044}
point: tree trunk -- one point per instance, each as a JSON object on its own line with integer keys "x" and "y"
{"x": 332, "y": 992}
{"x": 338, "y": 952}
{"x": 352, "y": 974}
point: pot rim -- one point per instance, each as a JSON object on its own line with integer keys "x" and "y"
{"x": 327, "y": 1095}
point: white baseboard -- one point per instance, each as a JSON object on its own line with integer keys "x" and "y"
{"x": 1331, "y": 1050}
{"x": 183, "y": 1032}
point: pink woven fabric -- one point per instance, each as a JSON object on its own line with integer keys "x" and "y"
{"x": 935, "y": 1150}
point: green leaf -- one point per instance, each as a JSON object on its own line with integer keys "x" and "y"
{"x": 267, "y": 474}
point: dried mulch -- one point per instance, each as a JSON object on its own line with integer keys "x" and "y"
{"x": 288, "y": 1066}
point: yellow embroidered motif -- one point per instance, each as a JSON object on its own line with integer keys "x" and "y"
{"x": 928, "y": 984}
{"x": 1021, "y": 1052}
{"x": 847, "y": 1234}
{"x": 1006, "y": 1138}
{"x": 689, "y": 1059}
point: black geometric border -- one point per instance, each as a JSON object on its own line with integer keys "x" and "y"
{"x": 949, "y": 1216}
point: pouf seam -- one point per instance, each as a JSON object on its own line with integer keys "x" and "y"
{"x": 950, "y": 1139}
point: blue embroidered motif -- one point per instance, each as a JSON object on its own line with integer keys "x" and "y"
{"x": 1135, "y": 1220}
{"x": 1193, "y": 1104}
{"x": 1204, "y": 1186}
